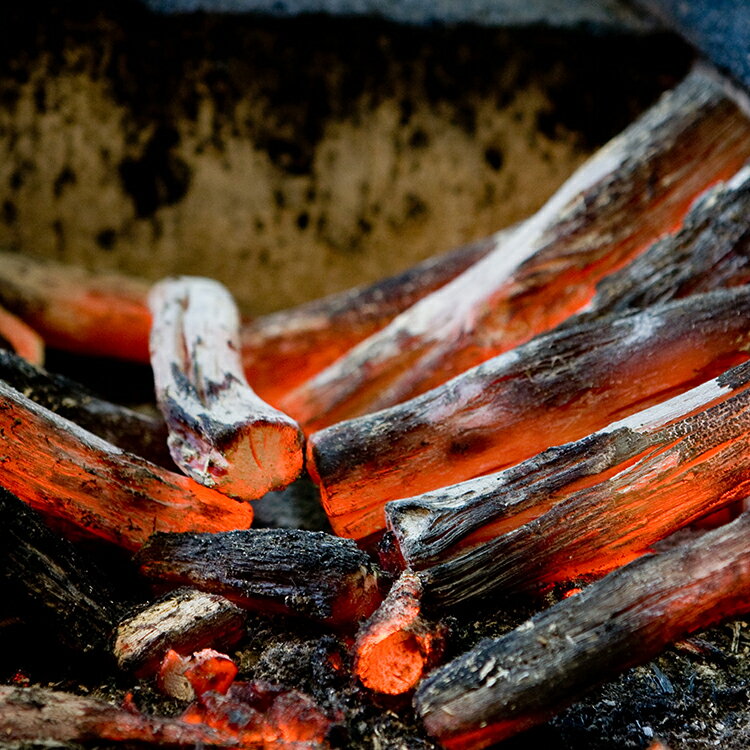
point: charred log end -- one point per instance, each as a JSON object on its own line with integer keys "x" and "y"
{"x": 395, "y": 647}
{"x": 185, "y": 677}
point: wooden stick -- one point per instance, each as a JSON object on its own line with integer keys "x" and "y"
{"x": 184, "y": 621}
{"x": 556, "y": 388}
{"x": 22, "y": 339}
{"x": 69, "y": 474}
{"x": 220, "y": 433}
{"x": 51, "y": 577}
{"x": 583, "y": 508}
{"x": 132, "y": 431}
{"x": 631, "y": 192}
{"x": 506, "y": 685}
{"x": 305, "y": 573}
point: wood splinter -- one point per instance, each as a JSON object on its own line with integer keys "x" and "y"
{"x": 506, "y": 685}
{"x": 221, "y": 433}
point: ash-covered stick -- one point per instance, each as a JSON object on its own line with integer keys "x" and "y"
{"x": 20, "y": 338}
{"x": 506, "y": 685}
{"x": 556, "y": 388}
{"x": 633, "y": 191}
{"x": 586, "y": 507}
{"x": 132, "y": 431}
{"x": 221, "y": 433}
{"x": 52, "y": 578}
{"x": 305, "y": 573}
{"x": 67, "y": 473}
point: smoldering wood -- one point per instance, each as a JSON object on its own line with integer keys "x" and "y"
{"x": 282, "y": 350}
{"x": 305, "y": 573}
{"x": 132, "y": 431}
{"x": 67, "y": 473}
{"x": 221, "y": 434}
{"x": 583, "y": 508}
{"x": 556, "y": 388}
{"x": 38, "y": 715}
{"x": 20, "y": 338}
{"x": 505, "y": 685}
{"x": 54, "y": 581}
{"x": 630, "y": 193}
{"x": 185, "y": 621}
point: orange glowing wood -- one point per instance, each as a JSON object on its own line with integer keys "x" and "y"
{"x": 631, "y": 192}
{"x": 282, "y": 350}
{"x": 556, "y": 388}
{"x": 22, "y": 339}
{"x": 587, "y": 507}
{"x": 41, "y": 715}
{"x": 221, "y": 433}
{"x": 304, "y": 573}
{"x": 67, "y": 473}
{"x": 506, "y": 685}
{"x": 185, "y": 677}
{"x": 396, "y": 646}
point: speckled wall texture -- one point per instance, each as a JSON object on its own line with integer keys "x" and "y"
{"x": 291, "y": 158}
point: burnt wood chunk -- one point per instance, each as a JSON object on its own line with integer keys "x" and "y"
{"x": 67, "y": 473}
{"x": 583, "y": 508}
{"x": 305, "y": 573}
{"x": 633, "y": 191}
{"x": 132, "y": 431}
{"x": 554, "y": 389}
{"x": 506, "y": 685}
{"x": 221, "y": 433}
{"x": 282, "y": 350}
{"x": 53, "y": 579}
{"x": 20, "y": 338}
{"x": 184, "y": 621}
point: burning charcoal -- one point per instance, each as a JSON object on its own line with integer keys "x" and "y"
{"x": 69, "y": 474}
{"x": 633, "y": 191}
{"x": 53, "y": 578}
{"x": 556, "y": 388}
{"x": 21, "y": 339}
{"x": 184, "y": 621}
{"x": 220, "y": 433}
{"x": 506, "y": 685}
{"x": 76, "y": 310}
{"x": 586, "y": 507}
{"x": 40, "y": 715}
{"x": 184, "y": 677}
{"x": 304, "y": 573}
{"x": 395, "y": 647}
{"x": 133, "y": 432}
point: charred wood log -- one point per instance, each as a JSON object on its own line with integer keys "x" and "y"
{"x": 52, "y": 578}
{"x": 221, "y": 433}
{"x": 20, "y": 338}
{"x": 630, "y": 193}
{"x": 305, "y": 573}
{"x": 183, "y": 621}
{"x": 506, "y": 685}
{"x": 67, "y": 473}
{"x": 127, "y": 429}
{"x": 556, "y": 388}
{"x": 586, "y": 507}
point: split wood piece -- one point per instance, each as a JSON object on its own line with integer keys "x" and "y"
{"x": 583, "y": 508}
{"x": 396, "y": 646}
{"x": 556, "y": 388}
{"x": 506, "y": 685}
{"x": 183, "y": 621}
{"x": 282, "y": 350}
{"x": 185, "y": 677}
{"x": 305, "y": 573}
{"x": 634, "y": 190}
{"x": 41, "y": 715}
{"x": 20, "y": 338}
{"x": 53, "y": 579}
{"x": 127, "y": 429}
{"x": 93, "y": 487}
{"x": 221, "y": 433}
{"x": 77, "y": 310}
